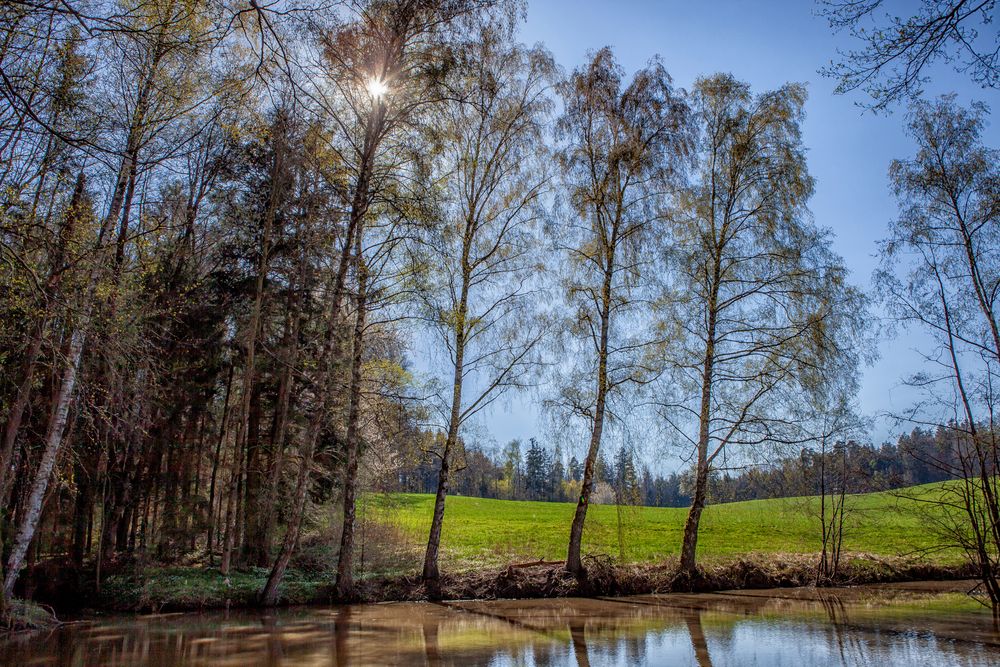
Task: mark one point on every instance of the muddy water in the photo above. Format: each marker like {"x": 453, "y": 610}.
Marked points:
{"x": 888, "y": 625}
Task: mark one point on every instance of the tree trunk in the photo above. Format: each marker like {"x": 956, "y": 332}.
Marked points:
{"x": 119, "y": 212}
{"x": 229, "y": 526}
{"x": 170, "y": 511}
{"x": 254, "y": 550}
{"x": 345, "y": 574}
{"x": 574, "y": 563}
{"x": 269, "y": 595}
{"x": 56, "y": 271}
{"x": 297, "y": 318}
{"x": 359, "y": 208}
{"x": 690, "y": 543}
{"x": 53, "y": 440}
{"x": 431, "y": 574}
{"x": 82, "y": 511}
{"x": 212, "y": 525}
{"x": 4, "y": 618}
{"x": 249, "y": 370}
{"x": 279, "y": 436}
{"x": 63, "y": 392}
{"x": 324, "y": 388}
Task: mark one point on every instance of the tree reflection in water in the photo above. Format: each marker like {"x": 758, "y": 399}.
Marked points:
{"x": 692, "y": 619}
{"x": 431, "y": 649}
{"x": 578, "y": 633}
{"x": 341, "y": 632}
{"x": 805, "y": 627}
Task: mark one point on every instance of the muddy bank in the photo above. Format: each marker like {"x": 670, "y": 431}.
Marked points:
{"x": 187, "y": 589}
{"x": 604, "y": 578}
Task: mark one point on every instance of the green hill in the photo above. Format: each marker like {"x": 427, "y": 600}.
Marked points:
{"x": 483, "y": 531}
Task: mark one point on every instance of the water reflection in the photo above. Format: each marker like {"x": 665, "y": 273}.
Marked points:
{"x": 792, "y": 627}
{"x": 341, "y": 631}
{"x": 693, "y": 621}
{"x": 578, "y": 633}
{"x": 431, "y": 649}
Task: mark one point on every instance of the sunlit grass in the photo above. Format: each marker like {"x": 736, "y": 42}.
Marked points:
{"x": 480, "y": 531}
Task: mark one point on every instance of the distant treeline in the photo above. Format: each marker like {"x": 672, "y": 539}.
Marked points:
{"x": 534, "y": 472}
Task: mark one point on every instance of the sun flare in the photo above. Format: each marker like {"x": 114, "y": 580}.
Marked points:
{"x": 377, "y": 88}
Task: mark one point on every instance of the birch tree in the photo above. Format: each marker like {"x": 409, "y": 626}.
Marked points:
{"x": 380, "y": 71}
{"x": 482, "y": 260}
{"x": 619, "y": 146}
{"x": 940, "y": 274}
{"x": 758, "y": 307}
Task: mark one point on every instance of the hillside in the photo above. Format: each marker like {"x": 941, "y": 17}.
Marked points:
{"x": 484, "y": 531}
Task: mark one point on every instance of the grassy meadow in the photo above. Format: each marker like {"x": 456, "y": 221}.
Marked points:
{"x": 482, "y": 535}
{"x": 481, "y": 531}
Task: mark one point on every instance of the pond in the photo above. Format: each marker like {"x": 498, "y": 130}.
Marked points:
{"x": 904, "y": 624}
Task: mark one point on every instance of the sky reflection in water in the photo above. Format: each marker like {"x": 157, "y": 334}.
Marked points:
{"x": 868, "y": 626}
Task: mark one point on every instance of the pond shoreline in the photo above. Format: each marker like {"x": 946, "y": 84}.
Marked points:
{"x": 159, "y": 589}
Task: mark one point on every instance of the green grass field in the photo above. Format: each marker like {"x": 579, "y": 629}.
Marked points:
{"x": 481, "y": 531}
{"x": 480, "y": 534}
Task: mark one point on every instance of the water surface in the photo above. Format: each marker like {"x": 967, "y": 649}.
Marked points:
{"x": 888, "y": 625}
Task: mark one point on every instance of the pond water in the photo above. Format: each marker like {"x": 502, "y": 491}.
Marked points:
{"x": 915, "y": 624}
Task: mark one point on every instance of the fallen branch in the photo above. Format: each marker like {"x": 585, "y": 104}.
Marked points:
{"x": 537, "y": 563}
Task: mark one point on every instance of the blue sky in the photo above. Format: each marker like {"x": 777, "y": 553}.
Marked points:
{"x": 765, "y": 44}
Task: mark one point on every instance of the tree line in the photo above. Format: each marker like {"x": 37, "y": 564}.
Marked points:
{"x": 227, "y": 230}
{"x": 536, "y": 472}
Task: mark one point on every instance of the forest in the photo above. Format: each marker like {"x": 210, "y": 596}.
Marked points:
{"x": 257, "y": 259}
{"x": 532, "y": 472}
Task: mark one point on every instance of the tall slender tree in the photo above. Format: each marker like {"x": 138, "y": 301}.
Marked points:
{"x": 620, "y": 145}
{"x": 381, "y": 71}
{"x": 758, "y": 307}
{"x": 941, "y": 274}
{"x": 481, "y": 262}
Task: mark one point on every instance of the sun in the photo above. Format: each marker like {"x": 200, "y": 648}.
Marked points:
{"x": 377, "y": 88}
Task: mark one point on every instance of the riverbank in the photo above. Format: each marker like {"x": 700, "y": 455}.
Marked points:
{"x": 27, "y": 615}
{"x": 187, "y": 589}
